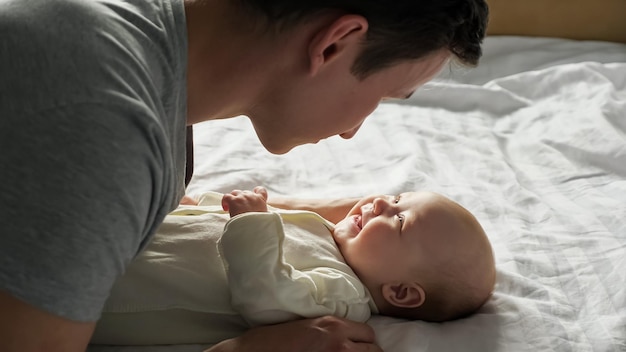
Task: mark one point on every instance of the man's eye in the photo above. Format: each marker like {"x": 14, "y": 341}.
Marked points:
{"x": 401, "y": 218}
{"x": 396, "y": 200}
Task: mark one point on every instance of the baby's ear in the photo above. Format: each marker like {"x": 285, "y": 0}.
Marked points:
{"x": 404, "y": 295}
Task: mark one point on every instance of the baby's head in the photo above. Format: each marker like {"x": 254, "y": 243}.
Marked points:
{"x": 421, "y": 255}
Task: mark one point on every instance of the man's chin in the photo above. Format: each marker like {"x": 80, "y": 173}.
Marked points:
{"x": 279, "y": 146}
{"x": 277, "y": 149}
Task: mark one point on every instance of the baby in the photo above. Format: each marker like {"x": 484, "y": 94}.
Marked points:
{"x": 420, "y": 255}
{"x": 231, "y": 262}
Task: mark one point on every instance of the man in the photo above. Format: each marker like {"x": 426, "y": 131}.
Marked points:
{"x": 95, "y": 98}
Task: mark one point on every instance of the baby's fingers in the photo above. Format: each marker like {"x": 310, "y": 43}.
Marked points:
{"x": 225, "y": 203}
{"x": 261, "y": 191}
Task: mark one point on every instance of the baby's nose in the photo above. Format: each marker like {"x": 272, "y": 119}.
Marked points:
{"x": 365, "y": 208}
{"x": 379, "y": 205}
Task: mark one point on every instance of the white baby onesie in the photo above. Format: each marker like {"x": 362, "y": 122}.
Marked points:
{"x": 205, "y": 278}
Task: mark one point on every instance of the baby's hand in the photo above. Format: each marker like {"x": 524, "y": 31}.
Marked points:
{"x": 238, "y": 202}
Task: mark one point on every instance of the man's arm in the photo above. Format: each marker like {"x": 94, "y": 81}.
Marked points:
{"x": 333, "y": 210}
{"x": 325, "y": 334}
{"x": 25, "y": 328}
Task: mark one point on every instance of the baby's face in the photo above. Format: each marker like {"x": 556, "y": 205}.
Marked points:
{"x": 386, "y": 238}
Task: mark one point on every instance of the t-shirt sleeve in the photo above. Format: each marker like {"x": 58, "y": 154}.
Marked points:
{"x": 91, "y": 144}
{"x": 265, "y": 289}
{"x": 81, "y": 190}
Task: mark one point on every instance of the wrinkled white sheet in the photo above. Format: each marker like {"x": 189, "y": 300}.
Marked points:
{"x": 533, "y": 142}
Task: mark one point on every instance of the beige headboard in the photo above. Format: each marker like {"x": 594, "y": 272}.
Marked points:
{"x": 572, "y": 19}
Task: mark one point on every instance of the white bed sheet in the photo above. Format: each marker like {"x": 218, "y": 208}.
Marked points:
{"x": 533, "y": 142}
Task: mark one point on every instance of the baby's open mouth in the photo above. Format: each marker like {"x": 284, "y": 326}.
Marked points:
{"x": 359, "y": 221}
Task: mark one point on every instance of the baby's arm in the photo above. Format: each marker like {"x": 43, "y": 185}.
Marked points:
{"x": 239, "y": 202}
{"x": 265, "y": 289}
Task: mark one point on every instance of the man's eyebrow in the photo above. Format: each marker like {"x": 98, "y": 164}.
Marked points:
{"x": 409, "y": 95}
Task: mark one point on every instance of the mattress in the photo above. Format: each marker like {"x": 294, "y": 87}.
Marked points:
{"x": 533, "y": 142}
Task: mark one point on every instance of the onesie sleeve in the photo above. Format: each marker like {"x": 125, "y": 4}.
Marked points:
{"x": 267, "y": 290}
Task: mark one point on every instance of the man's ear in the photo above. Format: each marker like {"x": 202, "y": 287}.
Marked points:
{"x": 404, "y": 295}
{"x": 337, "y": 38}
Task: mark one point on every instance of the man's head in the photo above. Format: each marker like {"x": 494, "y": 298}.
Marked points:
{"x": 398, "y": 31}
{"x": 354, "y": 53}
{"x": 421, "y": 255}
{"x": 306, "y": 70}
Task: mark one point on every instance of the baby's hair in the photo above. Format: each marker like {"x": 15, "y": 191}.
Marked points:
{"x": 457, "y": 287}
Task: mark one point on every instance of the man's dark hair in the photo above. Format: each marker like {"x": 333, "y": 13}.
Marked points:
{"x": 398, "y": 30}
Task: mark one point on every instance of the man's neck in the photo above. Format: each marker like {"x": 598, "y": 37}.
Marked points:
{"x": 228, "y": 63}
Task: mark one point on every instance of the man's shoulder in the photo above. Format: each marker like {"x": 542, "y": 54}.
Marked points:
{"x": 81, "y": 22}
{"x": 33, "y": 15}
{"x": 64, "y": 51}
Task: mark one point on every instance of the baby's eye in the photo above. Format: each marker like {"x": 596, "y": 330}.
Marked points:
{"x": 401, "y": 220}
{"x": 397, "y": 199}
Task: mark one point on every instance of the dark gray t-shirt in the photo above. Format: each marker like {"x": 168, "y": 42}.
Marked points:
{"x": 92, "y": 142}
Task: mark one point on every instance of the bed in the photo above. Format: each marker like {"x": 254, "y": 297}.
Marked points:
{"x": 533, "y": 142}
